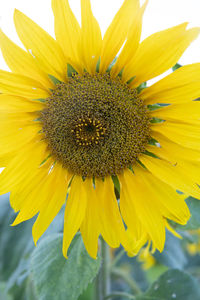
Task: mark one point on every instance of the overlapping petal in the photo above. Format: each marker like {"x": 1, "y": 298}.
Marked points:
{"x": 151, "y": 219}
{"x": 19, "y": 85}
{"x": 21, "y": 62}
{"x": 16, "y": 104}
{"x": 158, "y": 53}
{"x": 132, "y": 43}
{"x": 179, "y": 87}
{"x": 67, "y": 31}
{"x": 91, "y": 40}
{"x": 52, "y": 197}
{"x": 186, "y": 112}
{"x": 32, "y": 155}
{"x": 41, "y": 45}
{"x": 172, "y": 175}
{"x": 117, "y": 32}
{"x": 184, "y": 134}
{"x": 75, "y": 211}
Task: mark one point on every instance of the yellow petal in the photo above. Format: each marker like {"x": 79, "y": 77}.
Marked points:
{"x": 41, "y": 45}
{"x": 5, "y": 159}
{"x": 172, "y": 230}
{"x": 186, "y": 135}
{"x": 52, "y": 197}
{"x": 67, "y": 29}
{"x": 170, "y": 203}
{"x": 190, "y": 166}
{"x": 146, "y": 209}
{"x": 22, "y": 119}
{"x": 23, "y": 196}
{"x": 91, "y": 40}
{"x": 172, "y": 175}
{"x": 117, "y": 32}
{"x": 136, "y": 245}
{"x": 171, "y": 148}
{"x": 127, "y": 208}
{"x": 186, "y": 112}
{"x": 158, "y": 53}
{"x": 20, "y": 166}
{"x": 13, "y": 137}
{"x": 11, "y": 103}
{"x": 75, "y": 210}
{"x": 19, "y": 85}
{"x": 132, "y": 42}
{"x": 90, "y": 227}
{"x": 111, "y": 225}
{"x": 22, "y": 62}
{"x": 177, "y": 87}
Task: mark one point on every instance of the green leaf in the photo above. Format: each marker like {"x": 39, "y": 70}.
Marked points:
{"x": 29, "y": 290}
{"x": 15, "y": 242}
{"x": 4, "y": 295}
{"x": 177, "y": 66}
{"x": 55, "y": 277}
{"x": 173, "y": 255}
{"x": 88, "y": 294}
{"x": 173, "y": 285}
{"x": 194, "y": 221}
{"x": 154, "y": 272}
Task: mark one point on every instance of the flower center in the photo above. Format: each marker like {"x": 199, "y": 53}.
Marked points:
{"x": 88, "y": 131}
{"x": 95, "y": 125}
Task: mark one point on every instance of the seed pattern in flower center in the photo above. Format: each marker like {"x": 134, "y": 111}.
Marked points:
{"x": 95, "y": 126}
{"x": 88, "y": 131}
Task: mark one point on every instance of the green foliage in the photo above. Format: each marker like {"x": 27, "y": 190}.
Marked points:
{"x": 55, "y": 277}
{"x": 155, "y": 272}
{"x": 29, "y": 273}
{"x": 194, "y": 222}
{"x": 4, "y": 295}
{"x": 173, "y": 284}
{"x": 15, "y": 244}
{"x": 173, "y": 255}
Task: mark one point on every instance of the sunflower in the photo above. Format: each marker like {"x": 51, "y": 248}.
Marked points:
{"x": 78, "y": 128}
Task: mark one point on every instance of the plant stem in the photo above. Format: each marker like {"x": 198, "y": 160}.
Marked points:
{"x": 117, "y": 258}
{"x": 103, "y": 283}
{"x": 120, "y": 294}
{"x": 130, "y": 281}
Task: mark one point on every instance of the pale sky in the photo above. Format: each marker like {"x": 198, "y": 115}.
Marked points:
{"x": 159, "y": 15}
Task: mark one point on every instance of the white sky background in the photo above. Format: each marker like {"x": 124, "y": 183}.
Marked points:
{"x": 159, "y": 15}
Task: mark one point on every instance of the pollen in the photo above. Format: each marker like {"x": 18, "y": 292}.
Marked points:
{"x": 95, "y": 126}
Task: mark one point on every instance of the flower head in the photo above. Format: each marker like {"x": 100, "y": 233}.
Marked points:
{"x": 75, "y": 124}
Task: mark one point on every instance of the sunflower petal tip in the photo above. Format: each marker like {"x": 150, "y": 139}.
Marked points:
{"x": 16, "y": 11}
{"x": 65, "y": 255}
{"x": 35, "y": 241}
{"x": 197, "y": 30}
{"x": 17, "y": 221}
{"x": 64, "y": 251}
